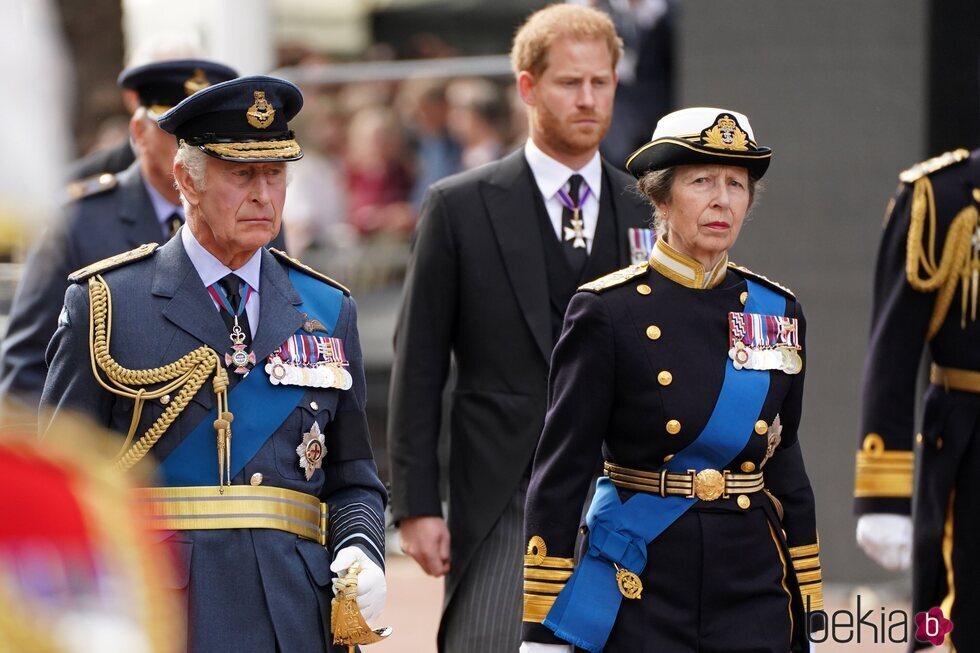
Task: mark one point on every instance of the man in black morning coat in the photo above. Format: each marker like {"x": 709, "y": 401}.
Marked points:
{"x": 498, "y": 254}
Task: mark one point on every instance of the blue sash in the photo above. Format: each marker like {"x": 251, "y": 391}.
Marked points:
{"x": 586, "y": 609}
{"x": 258, "y": 406}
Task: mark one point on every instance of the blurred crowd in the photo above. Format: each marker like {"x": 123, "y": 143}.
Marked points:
{"x": 373, "y": 148}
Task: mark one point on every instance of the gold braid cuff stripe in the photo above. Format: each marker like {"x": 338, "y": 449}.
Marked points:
{"x": 956, "y": 261}
{"x": 882, "y": 473}
{"x": 809, "y": 576}
{"x": 813, "y": 592}
{"x": 236, "y": 506}
{"x": 543, "y": 588}
{"x": 536, "y": 607}
{"x": 800, "y": 564}
{"x": 804, "y": 551}
{"x": 532, "y": 573}
{"x": 256, "y": 149}
{"x": 182, "y": 378}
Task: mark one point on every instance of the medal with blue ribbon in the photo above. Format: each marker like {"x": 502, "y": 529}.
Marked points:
{"x": 238, "y": 358}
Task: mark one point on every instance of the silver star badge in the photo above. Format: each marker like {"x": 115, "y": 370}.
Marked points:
{"x": 311, "y": 451}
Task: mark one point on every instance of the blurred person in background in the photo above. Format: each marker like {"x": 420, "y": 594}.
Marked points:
{"x": 425, "y": 110}
{"x": 315, "y": 213}
{"x": 119, "y": 154}
{"x": 926, "y": 288}
{"x": 646, "y": 71}
{"x": 498, "y": 254}
{"x": 477, "y": 120}
{"x": 110, "y": 214}
{"x": 379, "y": 178}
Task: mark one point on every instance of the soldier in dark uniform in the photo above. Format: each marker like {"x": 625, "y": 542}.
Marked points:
{"x": 925, "y": 296}
{"x": 239, "y": 371}
{"x": 110, "y": 214}
{"x": 687, "y": 372}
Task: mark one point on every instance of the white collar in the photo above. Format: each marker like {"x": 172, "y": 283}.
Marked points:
{"x": 552, "y": 175}
{"x": 212, "y": 270}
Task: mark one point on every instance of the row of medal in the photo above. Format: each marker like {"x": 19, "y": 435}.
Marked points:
{"x": 310, "y": 361}
{"x": 764, "y": 342}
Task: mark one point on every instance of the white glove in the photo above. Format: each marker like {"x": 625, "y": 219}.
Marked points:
{"x": 372, "y": 589}
{"x": 535, "y": 647}
{"x": 887, "y": 539}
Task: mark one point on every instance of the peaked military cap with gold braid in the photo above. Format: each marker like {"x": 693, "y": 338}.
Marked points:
{"x": 163, "y": 84}
{"x": 701, "y": 135}
{"x": 243, "y": 120}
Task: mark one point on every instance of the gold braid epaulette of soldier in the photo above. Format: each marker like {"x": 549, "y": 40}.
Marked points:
{"x": 181, "y": 379}
{"x": 959, "y": 260}
{"x": 617, "y": 278}
{"x": 302, "y": 267}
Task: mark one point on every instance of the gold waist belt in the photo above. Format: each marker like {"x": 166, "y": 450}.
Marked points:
{"x": 954, "y": 379}
{"x": 707, "y": 484}
{"x": 235, "y": 506}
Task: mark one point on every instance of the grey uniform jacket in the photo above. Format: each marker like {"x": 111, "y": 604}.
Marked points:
{"x": 104, "y": 222}
{"x": 247, "y": 589}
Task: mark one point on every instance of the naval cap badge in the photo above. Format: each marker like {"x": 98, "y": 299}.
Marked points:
{"x": 261, "y": 113}
{"x": 311, "y": 451}
{"x": 725, "y": 134}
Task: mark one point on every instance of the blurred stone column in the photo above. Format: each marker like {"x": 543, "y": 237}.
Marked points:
{"x": 242, "y": 33}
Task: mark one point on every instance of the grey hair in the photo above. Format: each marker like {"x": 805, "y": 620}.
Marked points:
{"x": 194, "y": 161}
{"x": 656, "y": 185}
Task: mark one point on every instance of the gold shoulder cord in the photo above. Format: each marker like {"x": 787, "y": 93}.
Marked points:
{"x": 184, "y": 376}
{"x": 956, "y": 263}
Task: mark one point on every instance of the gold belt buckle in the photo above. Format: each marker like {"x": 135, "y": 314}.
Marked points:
{"x": 708, "y": 484}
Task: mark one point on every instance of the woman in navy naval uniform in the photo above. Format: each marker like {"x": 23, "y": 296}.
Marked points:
{"x": 687, "y": 372}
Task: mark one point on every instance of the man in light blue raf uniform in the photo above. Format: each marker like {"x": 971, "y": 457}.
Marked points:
{"x": 239, "y": 370}
{"x": 108, "y": 214}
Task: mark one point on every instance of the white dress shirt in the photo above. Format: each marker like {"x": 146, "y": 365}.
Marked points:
{"x": 211, "y": 270}
{"x": 551, "y": 176}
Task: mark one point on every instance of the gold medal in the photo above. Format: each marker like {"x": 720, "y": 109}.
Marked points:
{"x": 629, "y": 583}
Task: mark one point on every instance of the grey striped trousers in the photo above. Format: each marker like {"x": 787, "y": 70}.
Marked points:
{"x": 486, "y": 610}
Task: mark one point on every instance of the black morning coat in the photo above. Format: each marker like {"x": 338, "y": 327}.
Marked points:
{"x": 481, "y": 289}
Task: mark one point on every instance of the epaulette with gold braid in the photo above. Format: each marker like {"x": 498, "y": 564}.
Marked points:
{"x": 929, "y": 166}
{"x": 617, "y": 278}
{"x": 302, "y": 267}
{"x": 91, "y": 186}
{"x": 766, "y": 281}
{"x": 112, "y": 262}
